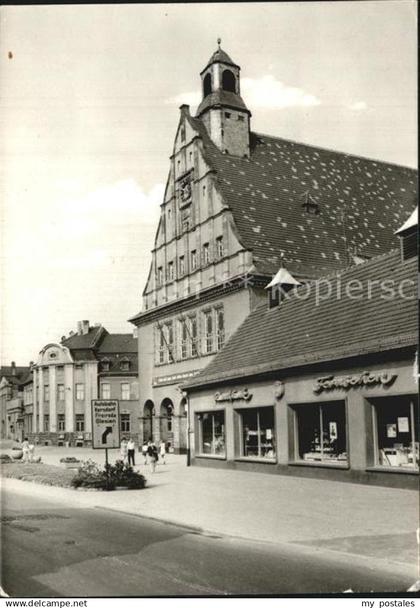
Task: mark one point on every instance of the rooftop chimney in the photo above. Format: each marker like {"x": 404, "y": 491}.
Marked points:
{"x": 79, "y": 327}
{"x": 13, "y": 368}
{"x": 85, "y": 327}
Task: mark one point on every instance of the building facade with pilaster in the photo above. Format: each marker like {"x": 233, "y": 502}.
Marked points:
{"x": 88, "y": 364}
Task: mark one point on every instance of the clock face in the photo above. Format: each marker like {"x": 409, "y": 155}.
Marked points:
{"x": 185, "y": 190}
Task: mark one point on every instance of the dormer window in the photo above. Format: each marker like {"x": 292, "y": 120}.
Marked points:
{"x": 409, "y": 245}
{"x": 408, "y": 237}
{"x": 125, "y": 365}
{"x": 105, "y": 365}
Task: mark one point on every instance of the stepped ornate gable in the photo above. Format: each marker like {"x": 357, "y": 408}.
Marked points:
{"x": 239, "y": 205}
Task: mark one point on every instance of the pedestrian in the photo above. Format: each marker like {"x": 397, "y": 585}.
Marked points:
{"x": 124, "y": 450}
{"x": 25, "y": 450}
{"x": 131, "y": 450}
{"x": 31, "y": 452}
{"x": 144, "y": 451}
{"x": 152, "y": 456}
{"x": 162, "y": 451}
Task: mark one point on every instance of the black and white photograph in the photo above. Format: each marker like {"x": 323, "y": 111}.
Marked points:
{"x": 209, "y": 319}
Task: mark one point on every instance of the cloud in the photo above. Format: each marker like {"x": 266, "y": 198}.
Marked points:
{"x": 357, "y": 106}
{"x": 264, "y": 92}
{"x": 191, "y": 98}
{"x": 267, "y": 92}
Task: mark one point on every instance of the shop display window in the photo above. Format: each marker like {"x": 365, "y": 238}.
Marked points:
{"x": 211, "y": 433}
{"x": 321, "y": 432}
{"x": 396, "y": 432}
{"x": 257, "y": 433}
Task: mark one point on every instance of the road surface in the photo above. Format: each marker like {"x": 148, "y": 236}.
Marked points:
{"x": 54, "y": 550}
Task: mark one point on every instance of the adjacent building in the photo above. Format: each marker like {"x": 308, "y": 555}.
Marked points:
{"x": 238, "y": 206}
{"x": 85, "y": 365}
{"x": 12, "y": 381}
{"x": 321, "y": 382}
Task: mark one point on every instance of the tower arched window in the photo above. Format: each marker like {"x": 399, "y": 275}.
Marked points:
{"x": 207, "y": 88}
{"x": 228, "y": 81}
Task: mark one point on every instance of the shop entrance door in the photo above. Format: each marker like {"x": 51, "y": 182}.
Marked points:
{"x": 166, "y": 423}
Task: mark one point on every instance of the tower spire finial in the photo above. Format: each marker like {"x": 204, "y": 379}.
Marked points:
{"x": 219, "y": 42}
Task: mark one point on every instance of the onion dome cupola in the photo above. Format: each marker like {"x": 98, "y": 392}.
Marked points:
{"x": 222, "y": 109}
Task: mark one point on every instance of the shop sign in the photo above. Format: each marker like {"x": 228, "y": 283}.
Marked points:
{"x": 243, "y": 395}
{"x": 174, "y": 378}
{"x": 364, "y": 379}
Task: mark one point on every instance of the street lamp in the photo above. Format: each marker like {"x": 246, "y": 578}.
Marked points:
{"x": 185, "y": 395}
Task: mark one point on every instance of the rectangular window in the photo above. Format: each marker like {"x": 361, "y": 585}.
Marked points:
{"x": 166, "y": 342}
{"x": 227, "y": 114}
{"x": 208, "y": 331}
{"x": 46, "y": 392}
{"x": 46, "y": 423}
{"x": 105, "y": 390}
{"x": 162, "y": 345}
{"x": 80, "y": 391}
{"x": 181, "y": 265}
{"x": 257, "y": 433}
{"x": 240, "y": 118}
{"x": 125, "y": 391}
{"x": 170, "y": 340}
{"x": 61, "y": 422}
{"x": 321, "y": 432}
{"x": 220, "y": 251}
{"x": 80, "y": 423}
{"x": 160, "y": 276}
{"x": 60, "y": 392}
{"x": 193, "y": 259}
{"x": 220, "y": 327}
{"x": 193, "y": 336}
{"x": 184, "y": 338}
{"x": 206, "y": 254}
{"x": 171, "y": 271}
{"x": 396, "y": 432}
{"x": 211, "y": 433}
{"x": 125, "y": 423}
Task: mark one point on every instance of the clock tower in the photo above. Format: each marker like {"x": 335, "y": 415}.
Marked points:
{"x": 222, "y": 109}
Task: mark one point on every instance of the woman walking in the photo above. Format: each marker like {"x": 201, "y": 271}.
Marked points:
{"x": 152, "y": 455}
{"x": 162, "y": 451}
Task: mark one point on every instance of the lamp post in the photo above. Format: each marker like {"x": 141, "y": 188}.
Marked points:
{"x": 185, "y": 395}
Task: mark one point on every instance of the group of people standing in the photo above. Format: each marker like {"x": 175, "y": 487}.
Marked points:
{"x": 151, "y": 453}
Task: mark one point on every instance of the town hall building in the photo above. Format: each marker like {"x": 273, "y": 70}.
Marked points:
{"x": 239, "y": 207}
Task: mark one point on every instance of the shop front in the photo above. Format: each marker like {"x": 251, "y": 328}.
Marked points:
{"x": 356, "y": 422}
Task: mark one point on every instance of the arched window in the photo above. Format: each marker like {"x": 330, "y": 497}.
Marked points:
{"x": 207, "y": 85}
{"x": 228, "y": 81}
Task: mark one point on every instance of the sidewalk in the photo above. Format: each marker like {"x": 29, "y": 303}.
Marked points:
{"x": 366, "y": 521}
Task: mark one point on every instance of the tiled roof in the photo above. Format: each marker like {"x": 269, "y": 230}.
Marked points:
{"x": 9, "y": 372}
{"x": 361, "y": 203}
{"x": 221, "y": 97}
{"x": 301, "y": 331}
{"x": 83, "y": 354}
{"x": 87, "y": 340}
{"x": 220, "y": 56}
{"x": 118, "y": 343}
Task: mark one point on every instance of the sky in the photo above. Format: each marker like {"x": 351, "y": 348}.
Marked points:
{"x": 89, "y": 105}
